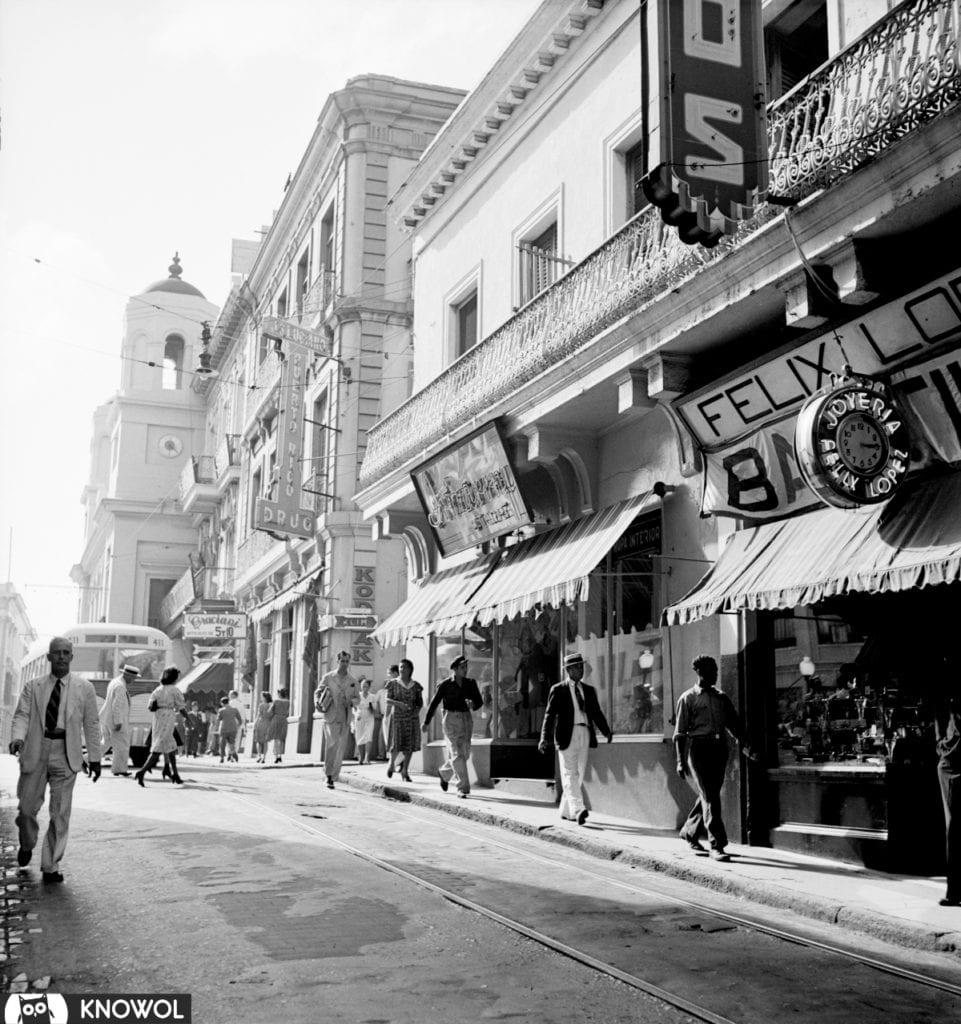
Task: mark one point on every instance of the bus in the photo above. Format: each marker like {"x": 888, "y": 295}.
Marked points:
{"x": 100, "y": 650}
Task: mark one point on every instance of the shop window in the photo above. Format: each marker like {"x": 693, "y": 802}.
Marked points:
{"x": 785, "y": 634}
{"x": 635, "y": 169}
{"x": 303, "y": 279}
{"x": 528, "y": 665}
{"x": 833, "y": 629}
{"x": 795, "y": 45}
{"x": 282, "y": 304}
{"x": 327, "y": 241}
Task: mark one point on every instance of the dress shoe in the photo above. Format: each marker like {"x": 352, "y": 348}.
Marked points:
{"x": 406, "y": 777}
{"x": 582, "y": 817}
{"x": 177, "y": 780}
{"x": 166, "y": 773}
{"x": 941, "y": 903}
{"x": 330, "y": 782}
{"x": 277, "y": 760}
{"x": 695, "y": 845}
{"x": 444, "y": 784}
{"x": 52, "y": 877}
{"x": 719, "y": 855}
{"x": 461, "y": 796}
{"x": 23, "y": 857}
{"x": 390, "y": 772}
{"x": 139, "y": 777}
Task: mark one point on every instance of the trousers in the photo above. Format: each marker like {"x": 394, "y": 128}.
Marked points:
{"x": 950, "y": 780}
{"x": 706, "y": 761}
{"x": 572, "y": 761}
{"x": 335, "y": 739}
{"x": 458, "y": 729}
{"x": 119, "y": 740}
{"x": 52, "y": 770}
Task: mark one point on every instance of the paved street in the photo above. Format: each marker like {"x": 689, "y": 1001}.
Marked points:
{"x": 267, "y": 897}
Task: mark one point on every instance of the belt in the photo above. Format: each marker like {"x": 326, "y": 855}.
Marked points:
{"x": 586, "y": 726}
{"x": 55, "y": 734}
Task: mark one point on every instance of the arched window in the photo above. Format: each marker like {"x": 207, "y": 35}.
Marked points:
{"x": 173, "y": 368}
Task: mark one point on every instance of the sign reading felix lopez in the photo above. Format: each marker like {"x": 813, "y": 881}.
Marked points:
{"x": 280, "y": 512}
{"x": 469, "y": 492}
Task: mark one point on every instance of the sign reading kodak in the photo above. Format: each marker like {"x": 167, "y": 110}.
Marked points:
{"x": 281, "y": 512}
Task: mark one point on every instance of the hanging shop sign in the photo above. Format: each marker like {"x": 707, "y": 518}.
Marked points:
{"x": 714, "y": 148}
{"x": 215, "y": 625}
{"x": 281, "y": 512}
{"x": 350, "y": 618}
{"x": 745, "y": 425}
{"x": 469, "y": 492}
{"x": 282, "y": 330}
{"x": 852, "y": 444}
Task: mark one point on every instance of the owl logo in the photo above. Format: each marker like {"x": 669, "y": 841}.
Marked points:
{"x": 35, "y": 1008}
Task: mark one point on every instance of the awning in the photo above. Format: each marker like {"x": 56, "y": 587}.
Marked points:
{"x": 547, "y": 569}
{"x": 207, "y": 677}
{"x": 912, "y": 541}
{"x": 438, "y": 605}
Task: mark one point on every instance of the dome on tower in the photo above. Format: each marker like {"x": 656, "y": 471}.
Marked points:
{"x": 173, "y": 283}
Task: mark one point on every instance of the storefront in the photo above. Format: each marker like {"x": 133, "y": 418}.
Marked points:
{"x": 591, "y": 586}
{"x": 866, "y": 590}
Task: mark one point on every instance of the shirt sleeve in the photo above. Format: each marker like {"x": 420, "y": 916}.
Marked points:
{"x": 682, "y": 722}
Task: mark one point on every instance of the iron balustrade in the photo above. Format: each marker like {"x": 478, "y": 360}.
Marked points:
{"x": 896, "y": 78}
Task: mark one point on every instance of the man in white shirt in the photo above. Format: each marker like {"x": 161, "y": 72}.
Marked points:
{"x": 338, "y": 691}
{"x": 54, "y": 717}
{"x": 570, "y": 718}
{"x": 115, "y": 720}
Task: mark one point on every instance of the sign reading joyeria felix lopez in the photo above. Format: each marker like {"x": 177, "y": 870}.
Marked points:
{"x": 469, "y": 492}
{"x": 280, "y": 511}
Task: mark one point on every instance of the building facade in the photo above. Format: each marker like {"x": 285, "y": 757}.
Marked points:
{"x": 16, "y": 636}
{"x": 137, "y": 537}
{"x": 603, "y": 413}
{"x": 312, "y": 344}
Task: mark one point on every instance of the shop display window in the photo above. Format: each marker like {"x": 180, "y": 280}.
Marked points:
{"x": 528, "y": 666}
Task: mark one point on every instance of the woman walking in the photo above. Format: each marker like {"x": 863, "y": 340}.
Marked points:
{"x": 364, "y": 722}
{"x": 405, "y": 698}
{"x": 277, "y": 729}
{"x": 261, "y": 728}
{"x": 168, "y": 705}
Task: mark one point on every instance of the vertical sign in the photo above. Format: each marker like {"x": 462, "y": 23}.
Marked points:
{"x": 713, "y": 135}
{"x": 282, "y": 513}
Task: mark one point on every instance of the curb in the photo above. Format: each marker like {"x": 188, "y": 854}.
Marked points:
{"x": 847, "y": 916}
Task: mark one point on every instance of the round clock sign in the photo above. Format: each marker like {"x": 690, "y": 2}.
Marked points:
{"x": 851, "y": 443}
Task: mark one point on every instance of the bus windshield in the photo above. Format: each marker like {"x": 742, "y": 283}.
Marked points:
{"x": 106, "y": 662}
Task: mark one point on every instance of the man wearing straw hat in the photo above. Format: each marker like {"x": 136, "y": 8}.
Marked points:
{"x": 570, "y": 719}
{"x": 115, "y": 720}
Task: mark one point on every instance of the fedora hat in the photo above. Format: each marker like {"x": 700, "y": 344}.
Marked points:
{"x": 573, "y": 659}
{"x": 131, "y": 670}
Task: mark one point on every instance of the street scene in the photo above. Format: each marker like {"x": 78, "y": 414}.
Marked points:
{"x": 480, "y": 494}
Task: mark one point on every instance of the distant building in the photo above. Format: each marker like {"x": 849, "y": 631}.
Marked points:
{"x": 137, "y": 538}
{"x": 16, "y": 635}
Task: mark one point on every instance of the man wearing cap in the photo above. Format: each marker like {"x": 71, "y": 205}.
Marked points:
{"x": 704, "y": 714}
{"x": 460, "y": 696}
{"x": 55, "y": 715}
{"x": 570, "y": 719}
{"x": 115, "y": 719}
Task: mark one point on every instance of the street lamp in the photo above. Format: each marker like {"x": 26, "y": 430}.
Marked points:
{"x": 646, "y": 659}
{"x": 205, "y": 369}
{"x": 807, "y": 668}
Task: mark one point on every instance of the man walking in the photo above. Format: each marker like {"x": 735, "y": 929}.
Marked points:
{"x": 703, "y": 715}
{"x": 459, "y": 696}
{"x": 54, "y": 717}
{"x": 570, "y": 719}
{"x": 335, "y": 700}
{"x": 115, "y": 720}
{"x": 947, "y": 731}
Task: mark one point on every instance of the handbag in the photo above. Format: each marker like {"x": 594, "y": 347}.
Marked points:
{"x": 152, "y": 706}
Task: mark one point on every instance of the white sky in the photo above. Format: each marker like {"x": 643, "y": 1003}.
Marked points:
{"x": 133, "y": 129}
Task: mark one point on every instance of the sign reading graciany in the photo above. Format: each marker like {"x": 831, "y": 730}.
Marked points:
{"x": 713, "y": 137}
{"x": 294, "y": 334}
{"x": 281, "y": 511}
{"x": 469, "y": 492}
{"x": 215, "y": 625}
{"x": 746, "y": 424}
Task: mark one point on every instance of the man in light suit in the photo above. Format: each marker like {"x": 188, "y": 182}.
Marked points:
{"x": 54, "y": 716}
{"x": 570, "y": 719}
{"x": 115, "y": 719}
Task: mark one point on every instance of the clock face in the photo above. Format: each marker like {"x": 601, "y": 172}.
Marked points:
{"x": 170, "y": 446}
{"x": 852, "y": 445}
{"x": 862, "y": 444}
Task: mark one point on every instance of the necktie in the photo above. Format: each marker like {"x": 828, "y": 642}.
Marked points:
{"x": 580, "y": 697}
{"x": 53, "y": 707}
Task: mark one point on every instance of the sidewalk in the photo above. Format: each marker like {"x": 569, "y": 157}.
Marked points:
{"x": 901, "y": 909}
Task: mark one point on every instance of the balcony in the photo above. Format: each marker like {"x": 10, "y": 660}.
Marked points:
{"x": 198, "y": 484}
{"x": 227, "y": 461}
{"x": 320, "y": 296}
{"x": 252, "y": 550}
{"x": 893, "y": 81}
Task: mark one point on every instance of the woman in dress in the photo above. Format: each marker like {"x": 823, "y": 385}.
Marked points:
{"x": 405, "y": 698}
{"x": 261, "y": 728}
{"x": 277, "y": 730}
{"x": 168, "y": 706}
{"x": 363, "y": 722}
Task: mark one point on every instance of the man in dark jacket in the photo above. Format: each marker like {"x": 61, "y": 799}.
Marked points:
{"x": 947, "y": 727}
{"x": 569, "y": 723}
{"x": 460, "y": 696}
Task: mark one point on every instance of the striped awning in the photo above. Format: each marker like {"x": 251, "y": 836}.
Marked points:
{"x": 912, "y": 541}
{"x": 439, "y": 604}
{"x": 208, "y": 677}
{"x": 548, "y": 569}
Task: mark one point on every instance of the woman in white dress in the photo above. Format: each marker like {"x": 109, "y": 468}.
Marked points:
{"x": 364, "y": 719}
{"x": 168, "y": 705}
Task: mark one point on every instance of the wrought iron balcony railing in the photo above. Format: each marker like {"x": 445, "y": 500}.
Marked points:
{"x": 320, "y": 295}
{"x": 896, "y": 78}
